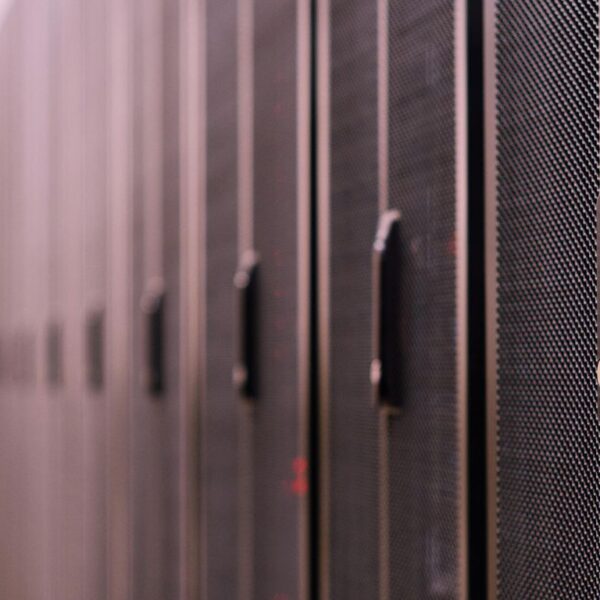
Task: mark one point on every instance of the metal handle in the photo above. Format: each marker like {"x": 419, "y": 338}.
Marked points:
{"x": 54, "y": 351}
{"x": 245, "y": 284}
{"x": 386, "y": 361}
{"x": 153, "y": 307}
{"x": 95, "y": 350}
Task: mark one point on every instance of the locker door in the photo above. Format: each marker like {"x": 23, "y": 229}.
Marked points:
{"x": 93, "y": 323}
{"x": 392, "y": 298}
{"x": 542, "y": 89}
{"x": 155, "y": 411}
{"x": 274, "y": 211}
{"x": 220, "y": 407}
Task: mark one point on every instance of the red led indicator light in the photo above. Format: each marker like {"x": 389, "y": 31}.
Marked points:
{"x": 299, "y": 486}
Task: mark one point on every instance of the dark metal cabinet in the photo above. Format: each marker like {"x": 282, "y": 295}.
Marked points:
{"x": 221, "y": 406}
{"x": 274, "y": 213}
{"x": 155, "y": 459}
{"x": 542, "y": 89}
{"x": 348, "y": 213}
{"x": 426, "y": 178}
{"x": 392, "y": 160}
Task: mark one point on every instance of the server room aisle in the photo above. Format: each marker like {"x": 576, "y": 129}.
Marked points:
{"x": 299, "y": 299}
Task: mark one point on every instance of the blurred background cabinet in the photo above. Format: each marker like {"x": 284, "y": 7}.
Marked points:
{"x": 259, "y": 294}
{"x": 155, "y": 426}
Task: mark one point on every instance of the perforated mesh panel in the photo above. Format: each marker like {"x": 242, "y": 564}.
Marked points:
{"x": 220, "y": 410}
{"x": 353, "y": 437}
{"x": 276, "y": 416}
{"x": 548, "y": 505}
{"x": 423, "y": 439}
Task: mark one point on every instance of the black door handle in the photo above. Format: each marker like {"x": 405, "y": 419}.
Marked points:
{"x": 386, "y": 362}
{"x": 95, "y": 350}
{"x": 153, "y": 308}
{"x": 54, "y": 351}
{"x": 245, "y": 283}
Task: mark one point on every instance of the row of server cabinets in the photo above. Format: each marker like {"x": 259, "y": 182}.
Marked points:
{"x": 298, "y": 299}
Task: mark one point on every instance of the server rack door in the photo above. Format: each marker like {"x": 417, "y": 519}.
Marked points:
{"x": 4, "y": 243}
{"x": 32, "y": 296}
{"x": 17, "y": 447}
{"x": 5, "y": 287}
{"x": 542, "y": 90}
{"x": 21, "y": 391}
{"x": 15, "y": 248}
{"x": 348, "y": 212}
{"x": 14, "y": 406}
{"x": 274, "y": 213}
{"x": 69, "y": 241}
{"x": 8, "y": 413}
{"x": 170, "y": 216}
{"x": 192, "y": 303}
{"x": 155, "y": 417}
{"x": 220, "y": 404}
{"x": 391, "y": 160}
{"x": 53, "y": 329}
{"x": 93, "y": 323}
{"x": 119, "y": 323}
{"x": 5, "y": 585}
{"x": 426, "y": 181}
{"x": 53, "y": 332}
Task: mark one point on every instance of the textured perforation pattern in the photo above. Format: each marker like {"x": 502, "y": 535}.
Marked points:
{"x": 353, "y": 446}
{"x": 423, "y": 440}
{"x": 277, "y": 504}
{"x": 220, "y": 411}
{"x": 548, "y": 505}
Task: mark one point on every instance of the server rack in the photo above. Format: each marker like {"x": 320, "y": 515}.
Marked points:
{"x": 70, "y": 249}
{"x": 221, "y": 410}
{"x": 274, "y": 213}
{"x": 193, "y": 308}
{"x": 542, "y": 89}
{"x": 155, "y": 302}
{"x": 120, "y": 374}
{"x": 21, "y": 445}
{"x": 119, "y": 324}
{"x": 94, "y": 231}
{"x": 348, "y": 190}
{"x": 32, "y": 294}
{"x": 404, "y": 435}
{"x": 53, "y": 356}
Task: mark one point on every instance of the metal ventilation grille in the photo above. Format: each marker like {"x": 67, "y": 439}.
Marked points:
{"x": 423, "y": 440}
{"x": 352, "y": 450}
{"x": 220, "y": 410}
{"x": 275, "y": 419}
{"x": 548, "y": 448}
